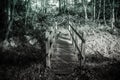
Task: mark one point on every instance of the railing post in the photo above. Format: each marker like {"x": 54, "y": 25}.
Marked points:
{"x": 69, "y": 28}
{"x": 50, "y": 47}
{"x": 76, "y": 39}
{"x": 47, "y": 49}
{"x": 55, "y": 36}
{"x": 83, "y": 48}
{"x": 56, "y": 27}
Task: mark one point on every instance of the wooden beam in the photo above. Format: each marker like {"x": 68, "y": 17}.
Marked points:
{"x": 83, "y": 40}
{"x": 81, "y": 57}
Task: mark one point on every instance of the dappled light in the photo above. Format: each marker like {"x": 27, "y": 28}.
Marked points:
{"x": 59, "y": 40}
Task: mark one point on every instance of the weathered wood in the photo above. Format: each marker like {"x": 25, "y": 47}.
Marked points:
{"x": 81, "y": 57}
{"x": 47, "y": 49}
{"x": 77, "y": 33}
{"x": 50, "y": 44}
{"x": 48, "y": 64}
{"x": 83, "y": 48}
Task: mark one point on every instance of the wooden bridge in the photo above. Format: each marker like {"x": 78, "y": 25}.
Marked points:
{"x": 65, "y": 49}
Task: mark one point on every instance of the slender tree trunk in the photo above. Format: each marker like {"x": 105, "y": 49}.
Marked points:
{"x": 94, "y": 9}
{"x": 85, "y": 10}
{"x": 10, "y": 7}
{"x": 64, "y": 6}
{"x": 113, "y": 14}
{"x": 104, "y": 10}
{"x": 10, "y": 18}
{"x": 8, "y": 12}
{"x": 84, "y": 2}
{"x": 27, "y": 11}
{"x": 33, "y": 18}
{"x": 99, "y": 11}
{"x": 59, "y": 6}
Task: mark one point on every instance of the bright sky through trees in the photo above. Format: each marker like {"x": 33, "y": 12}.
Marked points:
{"x": 88, "y": 0}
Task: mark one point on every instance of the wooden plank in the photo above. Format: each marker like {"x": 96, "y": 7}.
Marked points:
{"x": 64, "y": 60}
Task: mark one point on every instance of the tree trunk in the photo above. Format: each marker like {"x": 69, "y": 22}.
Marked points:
{"x": 113, "y": 14}
{"x": 99, "y": 10}
{"x": 94, "y": 3}
{"x": 104, "y": 10}
{"x": 59, "y": 6}
{"x": 84, "y": 2}
{"x": 64, "y": 6}
{"x": 27, "y": 11}
{"x": 10, "y": 12}
{"x": 85, "y": 10}
{"x": 10, "y": 17}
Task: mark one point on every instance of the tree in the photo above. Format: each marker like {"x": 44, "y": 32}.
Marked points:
{"x": 113, "y": 14}
{"x": 28, "y": 4}
{"x": 10, "y": 12}
{"x": 94, "y": 4}
{"x": 99, "y": 12}
{"x": 104, "y": 11}
{"x": 59, "y": 6}
{"x": 85, "y": 2}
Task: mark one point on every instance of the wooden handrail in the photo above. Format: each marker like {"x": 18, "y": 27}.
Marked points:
{"x": 83, "y": 40}
{"x": 50, "y": 36}
{"x": 81, "y": 56}
{"x": 76, "y": 45}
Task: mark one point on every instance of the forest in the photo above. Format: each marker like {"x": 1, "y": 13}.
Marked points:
{"x": 41, "y": 39}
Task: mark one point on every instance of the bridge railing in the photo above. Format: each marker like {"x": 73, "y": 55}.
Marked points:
{"x": 76, "y": 37}
{"x": 50, "y": 43}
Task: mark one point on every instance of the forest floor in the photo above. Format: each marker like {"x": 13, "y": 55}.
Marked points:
{"x": 22, "y": 63}
{"x": 25, "y": 62}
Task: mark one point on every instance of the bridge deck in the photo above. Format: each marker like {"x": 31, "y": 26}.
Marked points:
{"x": 63, "y": 60}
